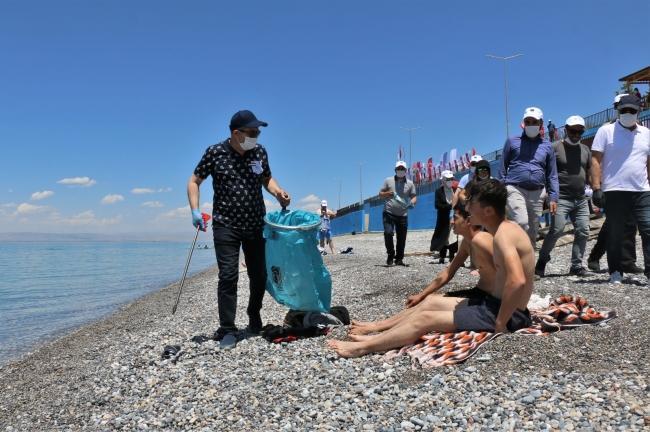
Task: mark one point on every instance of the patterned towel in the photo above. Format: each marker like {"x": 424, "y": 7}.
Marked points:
{"x": 440, "y": 349}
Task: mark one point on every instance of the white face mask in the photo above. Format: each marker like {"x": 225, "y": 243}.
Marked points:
{"x": 569, "y": 141}
{"x": 400, "y": 173}
{"x": 627, "y": 119}
{"x": 248, "y": 144}
{"x": 531, "y": 131}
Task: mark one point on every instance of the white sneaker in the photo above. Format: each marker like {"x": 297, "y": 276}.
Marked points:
{"x": 615, "y": 278}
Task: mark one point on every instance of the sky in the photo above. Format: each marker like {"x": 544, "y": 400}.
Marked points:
{"x": 106, "y": 107}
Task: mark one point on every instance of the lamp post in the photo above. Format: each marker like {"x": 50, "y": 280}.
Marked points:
{"x": 410, "y": 131}
{"x": 360, "y": 185}
{"x": 505, "y": 83}
{"x": 340, "y": 187}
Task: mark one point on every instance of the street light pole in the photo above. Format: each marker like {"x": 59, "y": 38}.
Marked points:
{"x": 360, "y": 185}
{"x": 410, "y": 131}
{"x": 505, "y": 83}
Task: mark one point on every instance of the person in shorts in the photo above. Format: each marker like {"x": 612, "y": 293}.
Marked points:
{"x": 325, "y": 232}
{"x": 506, "y": 309}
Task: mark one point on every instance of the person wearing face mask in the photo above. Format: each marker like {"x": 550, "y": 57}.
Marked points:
{"x": 620, "y": 171}
{"x": 239, "y": 167}
{"x": 527, "y": 167}
{"x": 443, "y": 200}
{"x": 573, "y": 161}
{"x": 399, "y": 193}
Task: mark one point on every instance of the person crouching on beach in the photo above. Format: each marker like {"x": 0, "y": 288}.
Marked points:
{"x": 505, "y": 310}
{"x": 239, "y": 167}
{"x": 476, "y": 244}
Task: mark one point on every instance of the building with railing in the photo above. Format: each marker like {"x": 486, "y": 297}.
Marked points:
{"x": 367, "y": 216}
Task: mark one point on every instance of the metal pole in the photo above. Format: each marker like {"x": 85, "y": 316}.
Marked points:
{"x": 505, "y": 84}
{"x": 360, "y": 185}
{"x": 340, "y": 186}
{"x": 410, "y": 131}
{"x": 187, "y": 265}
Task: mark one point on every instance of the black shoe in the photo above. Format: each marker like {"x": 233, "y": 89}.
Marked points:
{"x": 539, "y": 269}
{"x": 578, "y": 272}
{"x": 594, "y": 266}
{"x": 633, "y": 269}
{"x": 389, "y": 261}
{"x": 401, "y": 263}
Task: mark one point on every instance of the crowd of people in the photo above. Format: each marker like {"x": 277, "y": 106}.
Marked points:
{"x": 494, "y": 224}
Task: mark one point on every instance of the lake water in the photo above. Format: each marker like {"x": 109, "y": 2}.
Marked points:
{"x": 49, "y": 288}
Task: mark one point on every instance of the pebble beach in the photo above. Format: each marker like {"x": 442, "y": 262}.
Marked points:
{"x": 109, "y": 375}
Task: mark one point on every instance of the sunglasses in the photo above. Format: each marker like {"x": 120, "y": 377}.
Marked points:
{"x": 628, "y": 111}
{"x": 578, "y": 131}
{"x": 483, "y": 169}
{"x": 252, "y": 133}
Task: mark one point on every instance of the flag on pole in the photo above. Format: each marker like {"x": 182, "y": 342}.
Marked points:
{"x": 430, "y": 169}
{"x": 473, "y": 151}
{"x": 445, "y": 160}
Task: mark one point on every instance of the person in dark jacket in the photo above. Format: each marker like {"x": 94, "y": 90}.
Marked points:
{"x": 443, "y": 199}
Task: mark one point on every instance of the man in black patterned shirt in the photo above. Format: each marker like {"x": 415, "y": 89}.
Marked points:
{"x": 239, "y": 168}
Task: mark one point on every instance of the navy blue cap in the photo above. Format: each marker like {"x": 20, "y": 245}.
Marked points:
{"x": 629, "y": 101}
{"x": 245, "y": 119}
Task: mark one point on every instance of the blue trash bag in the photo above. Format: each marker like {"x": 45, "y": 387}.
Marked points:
{"x": 297, "y": 277}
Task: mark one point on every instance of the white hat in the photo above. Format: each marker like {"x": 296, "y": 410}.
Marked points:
{"x": 475, "y": 158}
{"x": 617, "y": 98}
{"x": 447, "y": 174}
{"x": 400, "y": 164}
{"x": 533, "y": 112}
{"x": 323, "y": 203}
{"x": 575, "y": 120}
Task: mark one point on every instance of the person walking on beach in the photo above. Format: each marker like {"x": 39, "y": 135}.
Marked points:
{"x": 550, "y": 127}
{"x": 399, "y": 193}
{"x": 442, "y": 203}
{"x": 505, "y": 310}
{"x": 239, "y": 167}
{"x": 325, "y": 232}
{"x": 527, "y": 166}
{"x": 620, "y": 171}
{"x": 476, "y": 244}
{"x": 573, "y": 165}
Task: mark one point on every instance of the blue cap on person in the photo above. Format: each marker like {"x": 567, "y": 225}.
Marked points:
{"x": 629, "y": 101}
{"x": 245, "y": 119}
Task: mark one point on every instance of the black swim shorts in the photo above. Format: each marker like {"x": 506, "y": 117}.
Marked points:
{"x": 480, "y": 314}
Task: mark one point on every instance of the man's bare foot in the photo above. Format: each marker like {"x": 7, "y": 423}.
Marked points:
{"x": 355, "y": 323}
{"x": 359, "y": 337}
{"x": 360, "y": 330}
{"x": 347, "y": 349}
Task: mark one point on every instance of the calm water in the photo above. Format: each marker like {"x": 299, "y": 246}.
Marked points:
{"x": 49, "y": 288}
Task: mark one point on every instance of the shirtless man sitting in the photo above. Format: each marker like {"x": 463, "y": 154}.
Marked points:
{"x": 506, "y": 309}
{"x": 476, "y": 243}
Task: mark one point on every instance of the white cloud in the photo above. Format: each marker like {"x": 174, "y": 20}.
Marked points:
{"x": 152, "y": 204}
{"x": 309, "y": 203}
{"x": 9, "y": 205}
{"x": 180, "y": 212}
{"x": 77, "y": 181}
{"x": 36, "y": 196}
{"x": 112, "y": 199}
{"x": 142, "y": 191}
{"x": 26, "y": 208}
{"x": 271, "y": 205}
{"x": 88, "y": 218}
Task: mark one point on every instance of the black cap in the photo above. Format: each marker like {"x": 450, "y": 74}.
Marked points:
{"x": 629, "y": 101}
{"x": 482, "y": 164}
{"x": 245, "y": 119}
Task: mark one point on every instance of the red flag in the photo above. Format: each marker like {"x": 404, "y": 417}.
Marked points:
{"x": 473, "y": 151}
{"x": 430, "y": 169}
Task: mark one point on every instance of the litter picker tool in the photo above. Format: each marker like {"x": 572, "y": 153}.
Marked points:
{"x": 206, "y": 219}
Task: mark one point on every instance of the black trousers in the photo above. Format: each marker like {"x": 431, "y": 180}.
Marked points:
{"x": 628, "y": 253}
{"x": 621, "y": 207}
{"x": 227, "y": 242}
{"x": 399, "y": 226}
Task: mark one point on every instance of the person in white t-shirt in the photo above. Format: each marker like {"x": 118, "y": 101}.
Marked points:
{"x": 619, "y": 171}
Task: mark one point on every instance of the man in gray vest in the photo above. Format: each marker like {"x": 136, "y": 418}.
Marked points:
{"x": 573, "y": 161}
{"x": 399, "y": 193}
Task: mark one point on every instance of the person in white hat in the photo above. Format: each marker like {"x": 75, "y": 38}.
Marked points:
{"x": 527, "y": 167}
{"x": 325, "y": 232}
{"x": 573, "y": 161}
{"x": 619, "y": 179}
{"x": 443, "y": 203}
{"x": 399, "y": 193}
